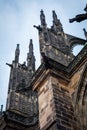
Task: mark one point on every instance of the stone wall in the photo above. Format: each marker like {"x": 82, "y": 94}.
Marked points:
{"x": 56, "y": 109}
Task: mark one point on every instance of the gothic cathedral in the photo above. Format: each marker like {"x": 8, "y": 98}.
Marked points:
{"x": 53, "y": 97}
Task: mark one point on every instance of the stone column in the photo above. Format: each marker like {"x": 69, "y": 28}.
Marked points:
{"x": 55, "y": 105}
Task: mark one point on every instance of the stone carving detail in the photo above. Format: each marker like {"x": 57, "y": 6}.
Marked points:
{"x": 80, "y": 17}
{"x": 57, "y": 40}
{"x": 51, "y": 86}
{"x": 42, "y": 17}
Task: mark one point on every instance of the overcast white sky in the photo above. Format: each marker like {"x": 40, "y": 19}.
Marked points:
{"x": 17, "y": 18}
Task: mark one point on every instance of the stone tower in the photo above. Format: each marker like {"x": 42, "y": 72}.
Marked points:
{"x": 53, "y": 97}
{"x": 21, "y": 108}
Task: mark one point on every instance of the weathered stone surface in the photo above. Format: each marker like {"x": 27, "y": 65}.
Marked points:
{"x": 60, "y": 82}
{"x": 45, "y": 104}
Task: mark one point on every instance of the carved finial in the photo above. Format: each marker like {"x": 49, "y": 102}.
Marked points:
{"x": 85, "y": 33}
{"x": 30, "y": 57}
{"x": 31, "y": 47}
{"x": 42, "y": 18}
{"x": 55, "y": 20}
{"x": 56, "y": 23}
{"x": 17, "y": 52}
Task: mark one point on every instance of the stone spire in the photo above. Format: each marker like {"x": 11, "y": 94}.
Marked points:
{"x": 31, "y": 47}
{"x": 55, "y": 20}
{"x": 42, "y": 18}
{"x": 17, "y": 52}
{"x": 31, "y": 58}
{"x": 57, "y": 26}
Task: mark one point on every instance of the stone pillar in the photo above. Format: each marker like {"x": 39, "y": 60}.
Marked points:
{"x": 55, "y": 105}
{"x": 46, "y": 110}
